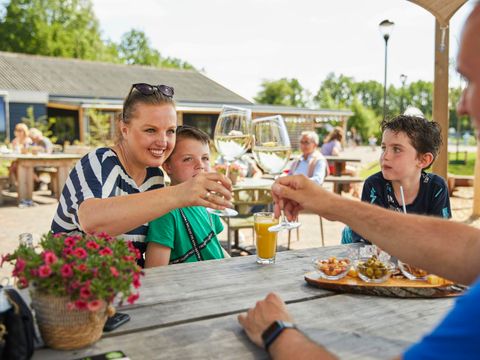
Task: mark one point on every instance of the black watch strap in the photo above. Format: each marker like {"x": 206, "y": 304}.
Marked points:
{"x": 274, "y": 331}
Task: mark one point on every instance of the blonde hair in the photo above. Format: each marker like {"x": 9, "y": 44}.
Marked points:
{"x": 22, "y": 127}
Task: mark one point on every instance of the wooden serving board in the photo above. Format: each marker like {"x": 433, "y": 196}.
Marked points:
{"x": 393, "y": 287}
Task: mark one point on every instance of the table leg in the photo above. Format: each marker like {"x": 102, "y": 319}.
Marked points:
{"x": 25, "y": 182}
{"x": 62, "y": 175}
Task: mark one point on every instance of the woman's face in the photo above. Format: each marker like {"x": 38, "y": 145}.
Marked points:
{"x": 149, "y": 138}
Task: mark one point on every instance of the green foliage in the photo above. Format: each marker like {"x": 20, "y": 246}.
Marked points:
{"x": 65, "y": 28}
{"x": 41, "y": 123}
{"x": 364, "y": 120}
{"x": 288, "y": 92}
{"x": 87, "y": 268}
{"x": 340, "y": 89}
{"x": 99, "y": 128}
{"x": 4, "y": 164}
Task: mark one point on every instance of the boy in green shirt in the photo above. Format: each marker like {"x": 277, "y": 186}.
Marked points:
{"x": 187, "y": 234}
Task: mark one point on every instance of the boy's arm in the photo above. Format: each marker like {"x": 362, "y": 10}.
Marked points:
{"x": 157, "y": 255}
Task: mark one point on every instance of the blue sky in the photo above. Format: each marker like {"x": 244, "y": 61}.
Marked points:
{"x": 241, "y": 43}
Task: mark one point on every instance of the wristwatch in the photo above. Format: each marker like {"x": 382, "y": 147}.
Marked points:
{"x": 274, "y": 330}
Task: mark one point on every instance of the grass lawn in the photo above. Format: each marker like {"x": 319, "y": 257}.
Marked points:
{"x": 456, "y": 169}
{"x": 4, "y": 167}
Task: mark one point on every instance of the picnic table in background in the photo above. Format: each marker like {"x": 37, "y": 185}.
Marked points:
{"x": 190, "y": 311}
{"x": 27, "y": 162}
{"x": 339, "y": 180}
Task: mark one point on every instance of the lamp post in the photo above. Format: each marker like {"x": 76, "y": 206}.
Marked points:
{"x": 403, "y": 79}
{"x": 386, "y": 27}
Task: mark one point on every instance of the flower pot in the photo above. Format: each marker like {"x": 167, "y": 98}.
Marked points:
{"x": 66, "y": 329}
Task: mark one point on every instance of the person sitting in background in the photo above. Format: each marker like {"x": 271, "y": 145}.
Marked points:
{"x": 332, "y": 146}
{"x": 186, "y": 234}
{"x": 41, "y": 141}
{"x": 20, "y": 144}
{"x": 311, "y": 163}
{"x": 410, "y": 144}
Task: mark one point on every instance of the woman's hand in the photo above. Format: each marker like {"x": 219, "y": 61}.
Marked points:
{"x": 211, "y": 190}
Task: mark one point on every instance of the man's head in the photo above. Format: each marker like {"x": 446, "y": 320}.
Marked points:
{"x": 35, "y": 135}
{"x": 308, "y": 142}
{"x": 409, "y": 145}
{"x": 468, "y": 64}
{"x": 190, "y": 156}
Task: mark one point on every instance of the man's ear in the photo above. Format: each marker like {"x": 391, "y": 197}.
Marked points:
{"x": 425, "y": 159}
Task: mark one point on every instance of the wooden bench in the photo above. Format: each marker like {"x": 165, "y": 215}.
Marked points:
{"x": 342, "y": 182}
{"x": 458, "y": 180}
{"x": 3, "y": 183}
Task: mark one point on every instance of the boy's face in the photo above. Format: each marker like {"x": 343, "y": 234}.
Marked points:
{"x": 189, "y": 158}
{"x": 399, "y": 159}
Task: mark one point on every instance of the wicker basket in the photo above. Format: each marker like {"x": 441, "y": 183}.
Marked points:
{"x": 67, "y": 329}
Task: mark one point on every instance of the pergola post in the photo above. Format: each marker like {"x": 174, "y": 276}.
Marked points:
{"x": 476, "y": 188}
{"x": 440, "y": 94}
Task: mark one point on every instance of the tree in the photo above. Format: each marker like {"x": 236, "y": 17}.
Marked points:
{"x": 135, "y": 48}
{"x": 340, "y": 89}
{"x": 66, "y": 28}
{"x": 288, "y": 92}
{"x": 370, "y": 94}
{"x": 364, "y": 120}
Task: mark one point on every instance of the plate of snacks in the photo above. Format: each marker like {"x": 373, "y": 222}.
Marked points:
{"x": 332, "y": 268}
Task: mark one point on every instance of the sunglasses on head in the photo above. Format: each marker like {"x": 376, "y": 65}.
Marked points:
{"x": 147, "y": 89}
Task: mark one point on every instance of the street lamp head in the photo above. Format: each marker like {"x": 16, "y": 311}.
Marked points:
{"x": 386, "y": 27}
{"x": 403, "y": 78}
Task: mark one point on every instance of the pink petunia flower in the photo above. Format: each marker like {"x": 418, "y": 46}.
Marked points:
{"x": 49, "y": 257}
{"x": 66, "y": 271}
{"x": 44, "y": 271}
{"x": 58, "y": 235}
{"x": 114, "y": 271}
{"x": 80, "y": 253}
{"x": 136, "y": 281}
{"x": 132, "y": 298}
{"x": 81, "y": 304}
{"x": 106, "y": 251}
{"x": 22, "y": 282}
{"x": 82, "y": 267}
{"x": 94, "y": 305}
{"x": 69, "y": 241}
{"x": 20, "y": 265}
{"x": 92, "y": 245}
{"x": 67, "y": 251}
{"x": 85, "y": 292}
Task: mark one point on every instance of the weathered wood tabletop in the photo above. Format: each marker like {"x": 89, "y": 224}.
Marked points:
{"x": 189, "y": 311}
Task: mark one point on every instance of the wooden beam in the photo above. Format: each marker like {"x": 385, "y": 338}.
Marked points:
{"x": 440, "y": 95}
{"x": 81, "y": 124}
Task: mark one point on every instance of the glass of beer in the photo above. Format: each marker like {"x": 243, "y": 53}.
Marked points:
{"x": 266, "y": 241}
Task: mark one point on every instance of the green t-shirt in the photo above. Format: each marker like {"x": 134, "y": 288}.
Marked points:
{"x": 170, "y": 231}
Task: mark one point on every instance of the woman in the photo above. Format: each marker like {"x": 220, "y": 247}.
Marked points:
{"x": 119, "y": 190}
{"x": 19, "y": 144}
{"x": 311, "y": 163}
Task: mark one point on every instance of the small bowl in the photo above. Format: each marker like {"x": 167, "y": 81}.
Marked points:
{"x": 412, "y": 272}
{"x": 380, "y": 273}
{"x": 332, "y": 268}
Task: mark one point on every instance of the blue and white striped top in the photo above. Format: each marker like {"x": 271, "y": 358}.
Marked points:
{"x": 99, "y": 174}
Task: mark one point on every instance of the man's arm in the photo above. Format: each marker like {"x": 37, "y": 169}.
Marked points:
{"x": 443, "y": 247}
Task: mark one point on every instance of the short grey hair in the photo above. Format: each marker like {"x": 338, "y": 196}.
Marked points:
{"x": 311, "y": 135}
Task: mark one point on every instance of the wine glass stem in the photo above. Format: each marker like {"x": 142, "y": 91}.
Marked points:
{"x": 227, "y": 170}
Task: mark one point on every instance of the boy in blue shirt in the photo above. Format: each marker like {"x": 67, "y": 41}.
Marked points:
{"x": 410, "y": 144}
{"x": 187, "y": 234}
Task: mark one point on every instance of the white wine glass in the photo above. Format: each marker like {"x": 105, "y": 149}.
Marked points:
{"x": 232, "y": 139}
{"x": 271, "y": 149}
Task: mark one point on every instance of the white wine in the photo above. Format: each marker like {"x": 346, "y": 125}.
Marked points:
{"x": 232, "y": 146}
{"x": 272, "y": 159}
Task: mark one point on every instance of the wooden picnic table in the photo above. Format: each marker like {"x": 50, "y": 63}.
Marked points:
{"x": 340, "y": 181}
{"x": 340, "y": 162}
{"x": 25, "y": 170}
{"x": 190, "y": 311}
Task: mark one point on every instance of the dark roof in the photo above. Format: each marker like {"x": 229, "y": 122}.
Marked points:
{"x": 90, "y": 79}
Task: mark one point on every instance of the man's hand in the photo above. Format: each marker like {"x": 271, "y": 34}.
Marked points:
{"x": 297, "y": 192}
{"x": 259, "y": 318}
